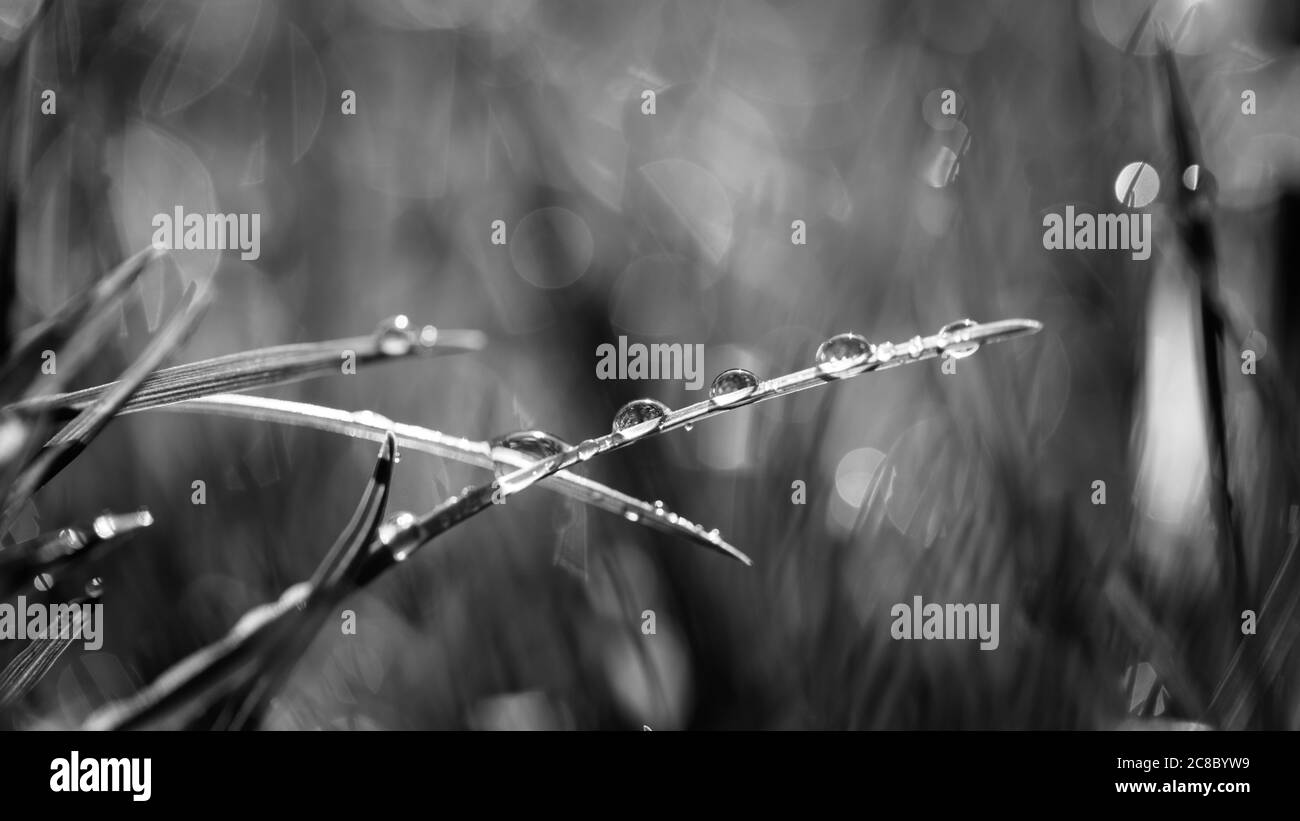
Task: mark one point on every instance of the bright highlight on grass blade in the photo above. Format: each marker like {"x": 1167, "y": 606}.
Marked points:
{"x": 395, "y": 339}
{"x": 368, "y": 425}
{"x": 73, "y": 438}
{"x": 73, "y": 331}
{"x": 957, "y": 339}
{"x": 54, "y": 552}
{"x": 838, "y": 358}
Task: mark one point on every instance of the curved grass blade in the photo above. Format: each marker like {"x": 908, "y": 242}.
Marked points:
{"x": 71, "y": 440}
{"x": 395, "y": 339}
{"x": 330, "y": 584}
{"x": 53, "y": 552}
{"x": 57, "y": 331}
{"x": 369, "y": 425}
{"x": 224, "y": 676}
{"x": 76, "y": 331}
{"x": 958, "y": 339}
{"x": 35, "y": 660}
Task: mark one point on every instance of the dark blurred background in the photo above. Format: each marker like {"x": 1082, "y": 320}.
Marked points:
{"x": 676, "y": 227}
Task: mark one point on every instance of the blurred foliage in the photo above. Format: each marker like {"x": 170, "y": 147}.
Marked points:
{"x": 675, "y": 226}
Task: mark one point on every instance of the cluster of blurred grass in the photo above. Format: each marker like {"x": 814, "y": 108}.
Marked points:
{"x": 674, "y": 227}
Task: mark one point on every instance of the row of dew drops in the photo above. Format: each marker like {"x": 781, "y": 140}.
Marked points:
{"x": 396, "y": 336}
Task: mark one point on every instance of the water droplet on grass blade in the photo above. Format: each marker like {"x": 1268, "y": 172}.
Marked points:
{"x": 588, "y": 448}
{"x": 69, "y": 541}
{"x": 638, "y": 412}
{"x": 732, "y": 385}
{"x": 631, "y": 515}
{"x": 841, "y": 349}
{"x": 963, "y": 349}
{"x": 394, "y": 525}
{"x": 395, "y": 336}
{"x": 536, "y": 443}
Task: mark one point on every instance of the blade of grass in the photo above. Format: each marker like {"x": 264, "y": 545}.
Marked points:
{"x": 265, "y": 367}
{"x": 31, "y": 664}
{"x": 55, "y": 551}
{"x": 58, "y": 330}
{"x": 330, "y": 584}
{"x": 958, "y": 339}
{"x": 261, "y": 643}
{"x": 368, "y": 425}
{"x": 71, "y": 440}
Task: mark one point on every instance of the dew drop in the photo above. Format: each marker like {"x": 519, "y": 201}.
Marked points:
{"x": 95, "y": 587}
{"x": 588, "y": 449}
{"x": 688, "y": 427}
{"x": 841, "y": 347}
{"x": 915, "y": 347}
{"x": 734, "y": 384}
{"x": 395, "y": 336}
{"x": 70, "y": 541}
{"x": 885, "y": 351}
{"x": 395, "y": 524}
{"x": 959, "y": 350}
{"x": 637, "y": 412}
{"x": 631, "y": 515}
{"x": 536, "y": 443}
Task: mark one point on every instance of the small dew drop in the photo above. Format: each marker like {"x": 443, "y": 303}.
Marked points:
{"x": 637, "y": 412}
{"x": 395, "y": 524}
{"x": 733, "y": 384}
{"x": 588, "y": 449}
{"x": 915, "y": 347}
{"x": 95, "y": 587}
{"x": 70, "y": 541}
{"x": 688, "y": 427}
{"x": 885, "y": 351}
{"x": 631, "y": 515}
{"x": 841, "y": 347}
{"x": 959, "y": 350}
{"x": 395, "y": 336}
{"x": 536, "y": 443}
{"x": 532, "y": 443}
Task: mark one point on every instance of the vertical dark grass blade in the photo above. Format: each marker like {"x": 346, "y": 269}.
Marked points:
{"x": 71, "y": 440}
{"x": 1195, "y": 206}
{"x": 1196, "y": 232}
{"x": 220, "y": 682}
